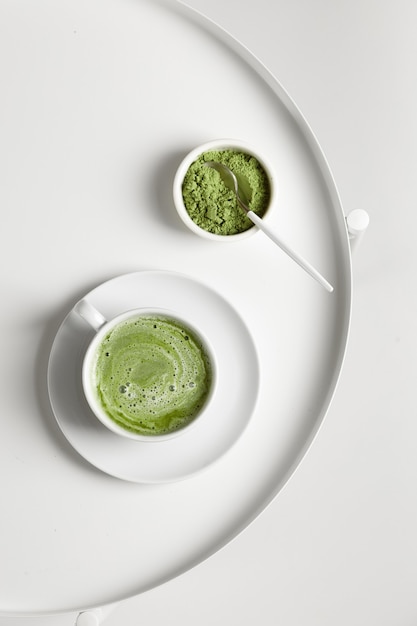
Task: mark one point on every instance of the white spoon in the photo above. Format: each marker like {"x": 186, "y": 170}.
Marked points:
{"x": 231, "y": 182}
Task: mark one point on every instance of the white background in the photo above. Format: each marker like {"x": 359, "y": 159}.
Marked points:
{"x": 339, "y": 543}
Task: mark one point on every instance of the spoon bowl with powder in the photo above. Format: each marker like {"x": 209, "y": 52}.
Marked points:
{"x": 224, "y": 191}
{"x": 207, "y": 206}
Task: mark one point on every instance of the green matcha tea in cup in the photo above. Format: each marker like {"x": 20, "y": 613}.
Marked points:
{"x": 147, "y": 374}
{"x": 207, "y": 206}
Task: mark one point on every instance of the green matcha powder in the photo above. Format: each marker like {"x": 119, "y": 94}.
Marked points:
{"x": 211, "y": 205}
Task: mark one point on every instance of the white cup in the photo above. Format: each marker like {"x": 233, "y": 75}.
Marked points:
{"x": 103, "y": 327}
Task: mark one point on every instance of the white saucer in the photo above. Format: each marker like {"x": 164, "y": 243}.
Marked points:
{"x": 227, "y": 416}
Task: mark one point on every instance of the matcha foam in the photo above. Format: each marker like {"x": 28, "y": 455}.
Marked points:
{"x": 211, "y": 205}
{"x": 152, "y": 375}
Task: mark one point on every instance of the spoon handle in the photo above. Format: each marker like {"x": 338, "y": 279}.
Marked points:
{"x": 295, "y": 257}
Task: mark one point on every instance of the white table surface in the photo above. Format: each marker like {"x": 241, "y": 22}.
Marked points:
{"x": 338, "y": 545}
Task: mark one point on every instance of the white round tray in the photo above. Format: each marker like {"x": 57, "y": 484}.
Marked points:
{"x": 102, "y": 101}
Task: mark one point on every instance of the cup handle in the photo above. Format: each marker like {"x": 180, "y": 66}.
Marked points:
{"x": 90, "y": 314}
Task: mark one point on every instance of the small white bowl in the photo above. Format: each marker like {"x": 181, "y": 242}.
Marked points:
{"x": 218, "y": 145}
